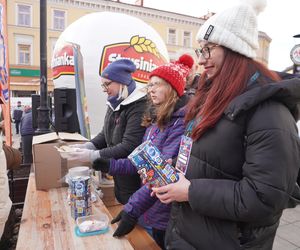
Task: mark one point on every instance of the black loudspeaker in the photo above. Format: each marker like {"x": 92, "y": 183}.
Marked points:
{"x": 65, "y": 110}
{"x": 35, "y": 103}
{"x": 296, "y": 69}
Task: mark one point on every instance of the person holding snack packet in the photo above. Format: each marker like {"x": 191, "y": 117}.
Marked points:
{"x": 164, "y": 120}
{"x": 244, "y": 159}
{"x": 122, "y": 131}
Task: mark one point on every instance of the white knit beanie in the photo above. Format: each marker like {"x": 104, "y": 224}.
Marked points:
{"x": 235, "y": 28}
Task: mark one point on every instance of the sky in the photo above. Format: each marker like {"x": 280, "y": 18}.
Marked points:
{"x": 280, "y": 20}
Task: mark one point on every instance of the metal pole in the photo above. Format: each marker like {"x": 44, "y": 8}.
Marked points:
{"x": 43, "y": 120}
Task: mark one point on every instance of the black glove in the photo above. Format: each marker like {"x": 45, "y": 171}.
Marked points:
{"x": 101, "y": 165}
{"x": 126, "y": 225}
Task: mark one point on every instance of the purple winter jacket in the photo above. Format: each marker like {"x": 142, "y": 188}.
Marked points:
{"x": 155, "y": 213}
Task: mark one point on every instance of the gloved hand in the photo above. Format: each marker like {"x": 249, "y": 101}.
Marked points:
{"x": 126, "y": 225}
{"x": 84, "y": 155}
{"x": 87, "y": 145}
{"x": 102, "y": 165}
{"x": 77, "y": 145}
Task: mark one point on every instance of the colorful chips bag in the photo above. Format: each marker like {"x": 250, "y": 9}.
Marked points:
{"x": 151, "y": 164}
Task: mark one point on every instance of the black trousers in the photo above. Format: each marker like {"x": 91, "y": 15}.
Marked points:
{"x": 159, "y": 237}
{"x": 17, "y": 126}
{"x": 27, "y": 148}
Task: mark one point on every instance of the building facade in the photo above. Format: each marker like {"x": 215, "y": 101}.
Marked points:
{"x": 177, "y": 31}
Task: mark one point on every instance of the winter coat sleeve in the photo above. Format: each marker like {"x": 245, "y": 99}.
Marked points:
{"x": 13, "y": 157}
{"x": 99, "y": 140}
{"x": 140, "y": 202}
{"x": 5, "y": 202}
{"x": 121, "y": 167}
{"x": 269, "y": 173}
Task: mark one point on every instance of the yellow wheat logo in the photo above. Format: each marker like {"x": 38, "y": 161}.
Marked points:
{"x": 141, "y": 44}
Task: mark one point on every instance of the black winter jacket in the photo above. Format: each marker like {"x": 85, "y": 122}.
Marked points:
{"x": 17, "y": 114}
{"x": 121, "y": 134}
{"x": 243, "y": 173}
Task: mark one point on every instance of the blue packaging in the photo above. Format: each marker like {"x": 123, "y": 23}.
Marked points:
{"x": 150, "y": 163}
{"x": 80, "y": 196}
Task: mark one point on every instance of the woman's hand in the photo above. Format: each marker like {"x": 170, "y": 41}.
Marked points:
{"x": 177, "y": 191}
{"x": 143, "y": 176}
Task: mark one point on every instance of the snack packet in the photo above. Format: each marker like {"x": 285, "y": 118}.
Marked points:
{"x": 150, "y": 163}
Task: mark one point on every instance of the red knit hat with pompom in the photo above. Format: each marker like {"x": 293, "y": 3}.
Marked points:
{"x": 175, "y": 73}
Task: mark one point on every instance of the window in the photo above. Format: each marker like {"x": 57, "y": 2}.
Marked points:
{"x": 59, "y": 17}
{"x": 187, "y": 39}
{"x": 24, "y": 47}
{"x": 24, "y": 15}
{"x": 24, "y": 54}
{"x": 172, "y": 37}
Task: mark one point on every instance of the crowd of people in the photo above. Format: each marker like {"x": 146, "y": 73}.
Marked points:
{"x": 237, "y": 122}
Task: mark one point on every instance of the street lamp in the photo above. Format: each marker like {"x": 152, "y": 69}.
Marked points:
{"x": 43, "y": 120}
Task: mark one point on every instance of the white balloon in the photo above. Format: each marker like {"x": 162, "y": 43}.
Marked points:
{"x": 101, "y": 36}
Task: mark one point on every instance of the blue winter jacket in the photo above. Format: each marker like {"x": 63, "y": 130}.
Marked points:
{"x": 155, "y": 213}
{"x": 26, "y": 124}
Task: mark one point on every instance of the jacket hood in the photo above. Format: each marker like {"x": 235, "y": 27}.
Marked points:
{"x": 286, "y": 92}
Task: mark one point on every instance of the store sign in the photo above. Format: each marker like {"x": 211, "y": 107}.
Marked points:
{"x": 295, "y": 54}
{"x": 63, "y": 61}
{"x": 24, "y": 72}
{"x": 4, "y": 81}
{"x": 140, "y": 50}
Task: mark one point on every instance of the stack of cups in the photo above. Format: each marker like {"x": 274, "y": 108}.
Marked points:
{"x": 80, "y": 191}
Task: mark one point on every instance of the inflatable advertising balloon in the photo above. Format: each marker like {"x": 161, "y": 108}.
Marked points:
{"x": 102, "y": 38}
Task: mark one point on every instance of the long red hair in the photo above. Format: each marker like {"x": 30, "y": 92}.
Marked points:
{"x": 212, "y": 97}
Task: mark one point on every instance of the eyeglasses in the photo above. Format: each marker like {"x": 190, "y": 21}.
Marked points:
{"x": 105, "y": 85}
{"x": 152, "y": 84}
{"x": 205, "y": 51}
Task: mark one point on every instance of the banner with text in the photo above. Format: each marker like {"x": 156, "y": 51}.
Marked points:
{"x": 4, "y": 76}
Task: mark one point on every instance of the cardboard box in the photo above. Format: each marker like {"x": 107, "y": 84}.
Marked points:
{"x": 108, "y": 198}
{"x": 106, "y": 189}
{"x": 49, "y": 167}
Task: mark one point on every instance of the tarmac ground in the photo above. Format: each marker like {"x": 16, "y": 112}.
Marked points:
{"x": 288, "y": 232}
